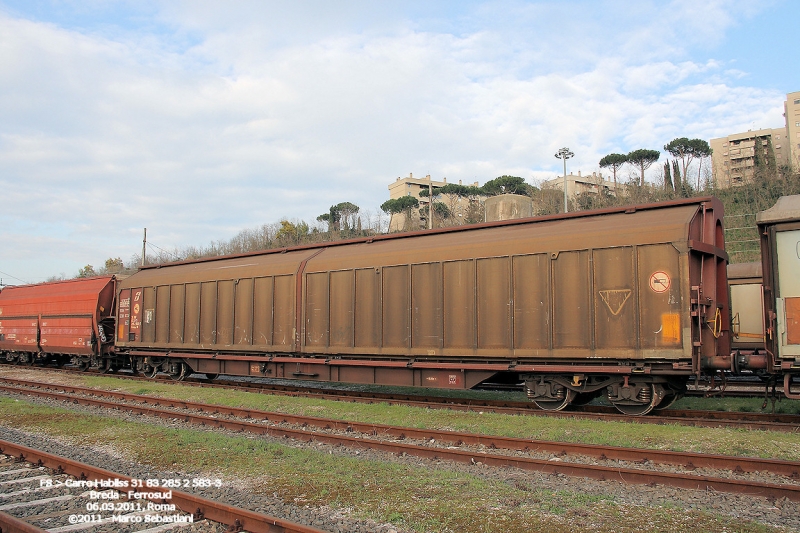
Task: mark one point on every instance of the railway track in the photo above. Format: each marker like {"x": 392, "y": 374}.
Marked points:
{"x": 40, "y": 491}
{"x": 686, "y": 417}
{"x": 627, "y": 465}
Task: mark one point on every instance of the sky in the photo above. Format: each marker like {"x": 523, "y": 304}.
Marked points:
{"x": 198, "y": 119}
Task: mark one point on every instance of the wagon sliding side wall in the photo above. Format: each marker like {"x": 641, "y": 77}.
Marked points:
{"x": 638, "y": 289}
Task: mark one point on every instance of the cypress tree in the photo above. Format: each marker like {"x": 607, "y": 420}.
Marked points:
{"x": 667, "y": 179}
{"x": 676, "y": 174}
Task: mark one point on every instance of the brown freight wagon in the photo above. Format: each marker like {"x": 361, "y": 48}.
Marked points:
{"x": 628, "y": 302}
{"x": 58, "y": 322}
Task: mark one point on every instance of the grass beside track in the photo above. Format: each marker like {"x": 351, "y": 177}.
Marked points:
{"x": 737, "y": 442}
{"x": 414, "y": 498}
{"x": 782, "y": 405}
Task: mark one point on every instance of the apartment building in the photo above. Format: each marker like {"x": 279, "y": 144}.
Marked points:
{"x": 577, "y": 184}
{"x": 412, "y": 186}
{"x": 791, "y": 110}
{"x": 734, "y": 157}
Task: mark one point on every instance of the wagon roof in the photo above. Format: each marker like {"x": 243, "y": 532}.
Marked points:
{"x": 786, "y": 209}
{"x": 744, "y": 270}
{"x": 79, "y": 295}
{"x": 69, "y": 286}
{"x": 454, "y": 229}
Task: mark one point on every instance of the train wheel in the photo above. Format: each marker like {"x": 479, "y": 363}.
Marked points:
{"x": 648, "y": 399}
{"x": 178, "y": 371}
{"x": 212, "y": 376}
{"x": 556, "y": 404}
{"x": 150, "y": 371}
{"x": 668, "y": 400}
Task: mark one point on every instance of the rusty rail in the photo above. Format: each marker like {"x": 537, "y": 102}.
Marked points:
{"x": 625, "y": 475}
{"x": 12, "y": 524}
{"x": 692, "y": 418}
{"x": 685, "y": 459}
{"x": 198, "y": 506}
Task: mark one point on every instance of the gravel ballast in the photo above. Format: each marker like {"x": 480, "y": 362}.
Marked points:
{"x": 777, "y": 513}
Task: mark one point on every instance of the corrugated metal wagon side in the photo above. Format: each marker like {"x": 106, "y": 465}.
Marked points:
{"x": 211, "y": 313}
{"x": 628, "y": 302}
{"x": 58, "y": 322}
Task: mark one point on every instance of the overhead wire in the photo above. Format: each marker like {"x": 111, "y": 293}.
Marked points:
{"x": 176, "y": 256}
{"x": 15, "y": 277}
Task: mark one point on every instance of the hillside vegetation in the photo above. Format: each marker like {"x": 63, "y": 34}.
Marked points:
{"x": 741, "y": 203}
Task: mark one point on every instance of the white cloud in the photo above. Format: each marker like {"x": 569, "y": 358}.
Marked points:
{"x": 226, "y": 117}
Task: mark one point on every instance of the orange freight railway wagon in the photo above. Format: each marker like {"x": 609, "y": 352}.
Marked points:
{"x": 58, "y": 322}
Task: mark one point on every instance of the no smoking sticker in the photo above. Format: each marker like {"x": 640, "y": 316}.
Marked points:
{"x": 659, "y": 281}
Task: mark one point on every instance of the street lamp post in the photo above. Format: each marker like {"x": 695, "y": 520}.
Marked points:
{"x": 564, "y": 154}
